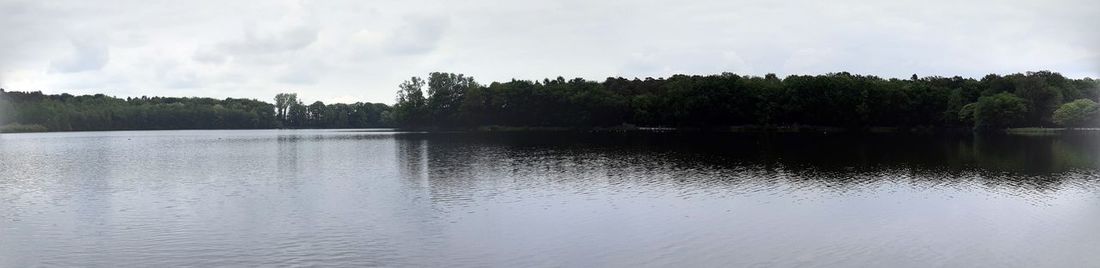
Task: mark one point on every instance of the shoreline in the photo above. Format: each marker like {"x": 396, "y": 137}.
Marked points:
{"x": 806, "y": 129}
{"x": 757, "y": 129}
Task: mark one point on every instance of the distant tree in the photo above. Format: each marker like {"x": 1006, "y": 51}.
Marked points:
{"x": 993, "y": 84}
{"x": 1043, "y": 93}
{"x": 5, "y": 108}
{"x": 339, "y": 115}
{"x": 411, "y": 106}
{"x": 282, "y": 102}
{"x": 1077, "y": 113}
{"x": 446, "y": 92}
{"x": 317, "y": 112}
{"x": 297, "y": 115}
{"x": 999, "y": 111}
{"x": 966, "y": 113}
{"x": 1089, "y": 88}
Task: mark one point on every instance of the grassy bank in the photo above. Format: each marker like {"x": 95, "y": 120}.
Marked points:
{"x": 1037, "y": 131}
{"x": 727, "y": 129}
{"x": 21, "y": 128}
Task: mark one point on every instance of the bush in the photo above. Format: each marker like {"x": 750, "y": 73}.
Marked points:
{"x": 1076, "y": 113}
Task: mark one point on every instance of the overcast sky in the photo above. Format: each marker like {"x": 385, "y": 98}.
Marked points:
{"x": 347, "y": 51}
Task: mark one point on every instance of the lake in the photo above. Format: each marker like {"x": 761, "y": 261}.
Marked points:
{"x": 383, "y": 198}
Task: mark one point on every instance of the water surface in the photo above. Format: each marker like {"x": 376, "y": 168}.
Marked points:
{"x": 379, "y": 198}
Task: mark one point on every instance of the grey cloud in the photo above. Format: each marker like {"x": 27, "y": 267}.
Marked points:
{"x": 183, "y": 82}
{"x": 179, "y": 79}
{"x": 417, "y": 35}
{"x": 303, "y": 72}
{"x": 689, "y": 61}
{"x": 293, "y": 38}
{"x": 298, "y": 77}
{"x": 27, "y": 37}
{"x": 85, "y": 56}
{"x": 209, "y": 56}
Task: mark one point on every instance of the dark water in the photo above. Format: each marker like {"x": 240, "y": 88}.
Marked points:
{"x": 332, "y": 198}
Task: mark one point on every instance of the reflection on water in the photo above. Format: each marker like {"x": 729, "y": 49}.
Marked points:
{"x": 337, "y": 198}
{"x": 833, "y": 163}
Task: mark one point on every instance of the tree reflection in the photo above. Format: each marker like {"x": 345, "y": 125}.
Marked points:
{"x": 457, "y": 165}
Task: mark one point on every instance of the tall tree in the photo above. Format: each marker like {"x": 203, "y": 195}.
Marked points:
{"x": 297, "y": 115}
{"x": 446, "y": 92}
{"x": 317, "y": 112}
{"x": 1042, "y": 91}
{"x": 411, "y": 106}
{"x": 282, "y": 102}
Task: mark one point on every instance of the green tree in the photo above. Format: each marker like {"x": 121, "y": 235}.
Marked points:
{"x": 966, "y": 113}
{"x": 282, "y": 102}
{"x": 1076, "y": 113}
{"x": 999, "y": 111}
{"x": 5, "y": 108}
{"x": 297, "y": 115}
{"x": 446, "y": 93}
{"x": 317, "y": 112}
{"x": 1043, "y": 92}
{"x": 411, "y": 107}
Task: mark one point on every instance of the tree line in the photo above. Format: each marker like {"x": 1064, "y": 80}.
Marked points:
{"x": 292, "y": 113}
{"x": 1032, "y": 99}
{"x": 457, "y": 101}
{"x": 35, "y": 111}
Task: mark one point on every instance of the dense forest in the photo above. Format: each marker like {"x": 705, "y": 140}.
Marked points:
{"x": 34, "y": 111}
{"x": 1033, "y": 99}
{"x": 456, "y": 101}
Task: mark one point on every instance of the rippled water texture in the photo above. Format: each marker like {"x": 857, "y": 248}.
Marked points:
{"x": 375, "y": 198}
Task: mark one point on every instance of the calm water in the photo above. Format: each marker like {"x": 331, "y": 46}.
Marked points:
{"x": 338, "y": 198}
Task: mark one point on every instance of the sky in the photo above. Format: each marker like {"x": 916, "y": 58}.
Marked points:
{"x": 351, "y": 51}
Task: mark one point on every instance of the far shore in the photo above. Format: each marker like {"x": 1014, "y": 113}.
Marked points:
{"x": 759, "y": 129}
{"x": 19, "y": 128}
